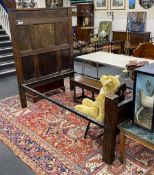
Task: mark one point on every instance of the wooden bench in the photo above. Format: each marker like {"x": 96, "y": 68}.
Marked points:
{"x": 115, "y": 113}
{"x": 85, "y": 83}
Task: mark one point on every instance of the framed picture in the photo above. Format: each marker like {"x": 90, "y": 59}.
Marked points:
{"x": 74, "y": 2}
{"x": 144, "y": 97}
{"x": 136, "y": 21}
{"x": 54, "y": 3}
{"x": 117, "y": 4}
{"x": 101, "y": 4}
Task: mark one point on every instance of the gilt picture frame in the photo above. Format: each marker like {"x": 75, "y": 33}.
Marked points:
{"x": 101, "y": 4}
{"x": 117, "y": 4}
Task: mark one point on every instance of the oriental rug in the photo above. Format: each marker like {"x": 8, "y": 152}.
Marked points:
{"x": 63, "y": 150}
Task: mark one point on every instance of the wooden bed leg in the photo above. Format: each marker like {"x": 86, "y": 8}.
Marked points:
{"x": 109, "y": 143}
{"x": 110, "y": 129}
{"x": 23, "y": 98}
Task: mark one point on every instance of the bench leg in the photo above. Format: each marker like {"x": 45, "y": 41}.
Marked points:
{"x": 82, "y": 92}
{"x": 87, "y": 129}
{"x": 74, "y": 93}
{"x": 93, "y": 98}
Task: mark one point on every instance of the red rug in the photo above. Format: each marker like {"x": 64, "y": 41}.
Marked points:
{"x": 63, "y": 151}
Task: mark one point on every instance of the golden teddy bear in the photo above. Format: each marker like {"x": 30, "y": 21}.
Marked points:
{"x": 95, "y": 109}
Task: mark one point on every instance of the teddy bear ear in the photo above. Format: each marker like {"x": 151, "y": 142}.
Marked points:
{"x": 117, "y": 76}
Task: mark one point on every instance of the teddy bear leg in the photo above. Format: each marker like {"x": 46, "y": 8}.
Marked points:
{"x": 89, "y": 111}
{"x": 87, "y": 102}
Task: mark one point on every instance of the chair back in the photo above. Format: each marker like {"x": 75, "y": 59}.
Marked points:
{"x": 104, "y": 30}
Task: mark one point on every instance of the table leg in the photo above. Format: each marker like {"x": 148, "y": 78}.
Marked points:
{"x": 122, "y": 146}
{"x": 83, "y": 67}
{"x": 83, "y": 93}
{"x": 97, "y": 66}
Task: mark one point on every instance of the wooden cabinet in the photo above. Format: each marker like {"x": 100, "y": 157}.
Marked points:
{"x": 85, "y": 21}
{"x": 42, "y": 46}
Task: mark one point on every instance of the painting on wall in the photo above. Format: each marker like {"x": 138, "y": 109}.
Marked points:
{"x": 101, "y": 4}
{"x": 54, "y": 3}
{"x": 74, "y": 2}
{"x": 132, "y": 4}
{"x": 26, "y": 3}
{"x": 117, "y": 4}
{"x": 136, "y": 21}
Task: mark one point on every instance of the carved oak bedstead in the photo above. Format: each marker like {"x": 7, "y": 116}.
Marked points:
{"x": 42, "y": 46}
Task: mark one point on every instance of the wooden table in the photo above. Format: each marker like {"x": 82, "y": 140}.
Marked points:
{"x": 135, "y": 133}
{"x": 111, "y": 59}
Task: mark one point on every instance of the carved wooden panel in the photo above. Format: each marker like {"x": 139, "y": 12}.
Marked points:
{"x": 28, "y": 67}
{"x": 42, "y": 44}
{"x": 47, "y": 63}
{"x": 44, "y": 35}
{"x": 62, "y": 33}
{"x": 24, "y": 39}
{"x": 65, "y": 60}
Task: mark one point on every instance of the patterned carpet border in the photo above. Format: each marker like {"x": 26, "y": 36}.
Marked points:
{"x": 63, "y": 150}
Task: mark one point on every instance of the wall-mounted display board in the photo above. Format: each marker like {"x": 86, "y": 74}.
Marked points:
{"x": 42, "y": 46}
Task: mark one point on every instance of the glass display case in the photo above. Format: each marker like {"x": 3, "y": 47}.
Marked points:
{"x": 144, "y": 97}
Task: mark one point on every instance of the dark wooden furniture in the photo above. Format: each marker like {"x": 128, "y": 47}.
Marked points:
{"x": 85, "y": 83}
{"x": 144, "y": 50}
{"x": 85, "y": 21}
{"x": 115, "y": 113}
{"x": 42, "y": 46}
{"x": 111, "y": 46}
{"x": 134, "y": 38}
{"x": 10, "y": 4}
